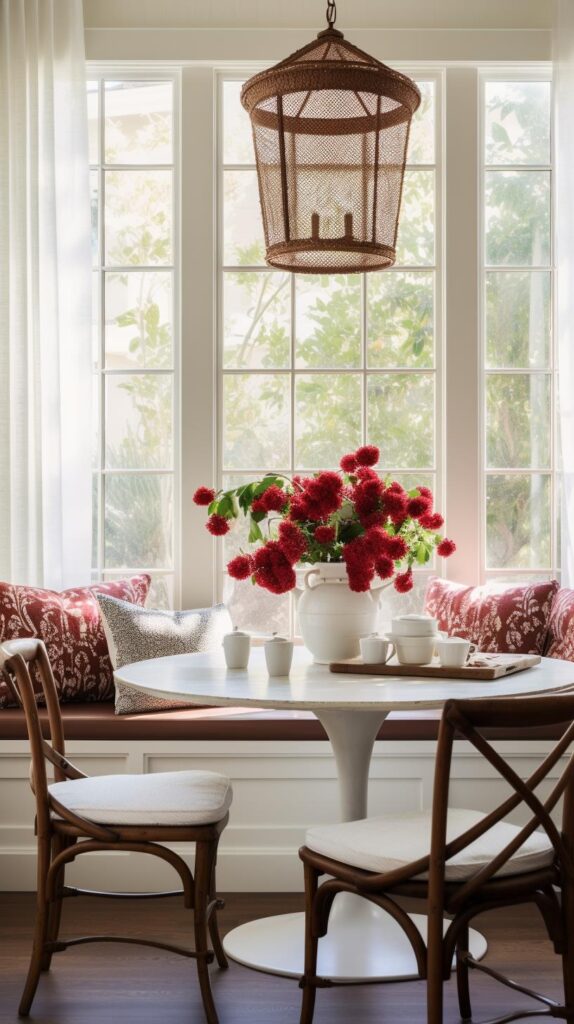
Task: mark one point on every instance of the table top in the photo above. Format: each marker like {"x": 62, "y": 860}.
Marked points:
{"x": 205, "y": 679}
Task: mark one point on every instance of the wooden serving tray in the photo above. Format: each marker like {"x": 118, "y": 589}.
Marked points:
{"x": 506, "y": 664}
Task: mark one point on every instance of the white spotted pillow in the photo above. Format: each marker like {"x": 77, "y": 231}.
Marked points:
{"x": 138, "y": 634}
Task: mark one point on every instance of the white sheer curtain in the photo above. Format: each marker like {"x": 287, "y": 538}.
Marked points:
{"x": 564, "y": 231}
{"x": 45, "y": 295}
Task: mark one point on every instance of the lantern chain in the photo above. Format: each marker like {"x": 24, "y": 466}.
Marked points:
{"x": 331, "y": 13}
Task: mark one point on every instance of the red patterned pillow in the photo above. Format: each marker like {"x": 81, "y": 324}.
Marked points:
{"x": 69, "y": 623}
{"x": 560, "y": 643}
{"x": 493, "y": 617}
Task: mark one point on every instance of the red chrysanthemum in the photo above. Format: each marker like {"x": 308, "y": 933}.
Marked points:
{"x": 372, "y": 519}
{"x": 298, "y": 508}
{"x": 395, "y": 504}
{"x": 292, "y": 541}
{"x": 396, "y": 548}
{"x": 396, "y": 486}
{"x": 321, "y": 495}
{"x": 217, "y": 525}
{"x": 348, "y": 463}
{"x": 324, "y": 534}
{"x": 366, "y": 473}
{"x": 431, "y": 520}
{"x": 404, "y": 582}
{"x": 368, "y": 455}
{"x": 360, "y": 563}
{"x": 258, "y": 507}
{"x": 367, "y": 497}
{"x": 446, "y": 547}
{"x": 376, "y": 540}
{"x": 204, "y": 496}
{"x": 427, "y": 493}
{"x": 273, "y": 499}
{"x": 418, "y": 506}
{"x": 240, "y": 567}
{"x": 273, "y": 571}
{"x": 385, "y": 567}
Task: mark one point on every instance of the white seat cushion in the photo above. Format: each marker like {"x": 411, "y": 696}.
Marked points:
{"x": 386, "y": 843}
{"x": 162, "y": 798}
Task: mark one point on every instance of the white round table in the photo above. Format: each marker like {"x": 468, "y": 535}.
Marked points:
{"x": 363, "y": 942}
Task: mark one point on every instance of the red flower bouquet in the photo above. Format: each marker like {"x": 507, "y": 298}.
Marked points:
{"x": 356, "y": 516}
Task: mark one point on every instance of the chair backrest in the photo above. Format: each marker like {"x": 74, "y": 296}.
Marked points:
{"x": 468, "y": 718}
{"x": 24, "y": 661}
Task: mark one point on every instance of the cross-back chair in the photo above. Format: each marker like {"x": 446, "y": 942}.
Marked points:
{"x": 508, "y": 864}
{"x": 64, "y": 832}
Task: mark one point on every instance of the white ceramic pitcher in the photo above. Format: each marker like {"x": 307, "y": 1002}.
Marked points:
{"x": 332, "y": 617}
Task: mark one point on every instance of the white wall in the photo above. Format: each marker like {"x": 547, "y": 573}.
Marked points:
{"x": 279, "y": 790}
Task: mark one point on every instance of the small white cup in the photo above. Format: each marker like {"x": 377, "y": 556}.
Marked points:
{"x": 375, "y": 650}
{"x": 278, "y": 655}
{"x": 453, "y": 651}
{"x": 236, "y": 647}
{"x": 414, "y": 650}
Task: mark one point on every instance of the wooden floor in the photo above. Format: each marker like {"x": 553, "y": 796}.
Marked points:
{"x": 135, "y": 985}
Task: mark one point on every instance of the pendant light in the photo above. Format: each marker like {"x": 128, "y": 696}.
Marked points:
{"x": 330, "y": 131}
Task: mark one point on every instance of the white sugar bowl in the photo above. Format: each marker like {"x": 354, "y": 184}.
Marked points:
{"x": 414, "y": 625}
{"x": 236, "y": 647}
{"x": 278, "y": 655}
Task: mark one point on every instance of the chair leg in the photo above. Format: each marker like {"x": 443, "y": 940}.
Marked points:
{"x": 462, "y": 973}
{"x": 40, "y": 927}
{"x": 59, "y": 843}
{"x": 214, "y": 921}
{"x": 435, "y": 968}
{"x": 205, "y": 853}
{"x": 311, "y": 947}
{"x": 568, "y": 951}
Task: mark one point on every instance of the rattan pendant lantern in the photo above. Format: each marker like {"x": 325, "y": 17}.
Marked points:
{"x": 330, "y": 130}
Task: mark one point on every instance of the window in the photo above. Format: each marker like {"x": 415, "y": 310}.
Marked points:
{"x": 519, "y": 367}
{"x": 308, "y": 367}
{"x": 311, "y": 367}
{"x": 133, "y": 150}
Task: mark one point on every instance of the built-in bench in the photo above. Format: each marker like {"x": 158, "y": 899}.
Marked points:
{"x": 97, "y": 721}
{"x": 284, "y": 779}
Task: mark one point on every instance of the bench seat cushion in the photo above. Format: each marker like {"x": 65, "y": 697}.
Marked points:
{"x": 394, "y": 840}
{"x": 162, "y": 798}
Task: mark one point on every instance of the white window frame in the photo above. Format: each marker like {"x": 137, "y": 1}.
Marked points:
{"x": 516, "y": 74}
{"x": 100, "y": 72}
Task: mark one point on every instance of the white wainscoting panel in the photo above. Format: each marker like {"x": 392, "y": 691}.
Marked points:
{"x": 280, "y": 788}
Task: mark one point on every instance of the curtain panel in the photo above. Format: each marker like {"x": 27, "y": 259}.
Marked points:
{"x": 45, "y": 296}
{"x": 563, "y": 55}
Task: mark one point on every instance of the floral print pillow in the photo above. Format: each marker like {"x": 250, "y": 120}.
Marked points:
{"x": 560, "y": 643}
{"x": 70, "y": 625}
{"x": 495, "y": 618}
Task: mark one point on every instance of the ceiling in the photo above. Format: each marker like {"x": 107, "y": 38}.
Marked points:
{"x": 258, "y": 14}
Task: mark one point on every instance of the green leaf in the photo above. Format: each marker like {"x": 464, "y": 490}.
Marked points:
{"x": 423, "y": 554}
{"x": 254, "y": 532}
{"x": 264, "y": 484}
{"x": 226, "y": 505}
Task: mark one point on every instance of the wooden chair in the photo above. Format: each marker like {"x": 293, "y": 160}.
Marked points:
{"x": 195, "y": 804}
{"x": 461, "y": 862}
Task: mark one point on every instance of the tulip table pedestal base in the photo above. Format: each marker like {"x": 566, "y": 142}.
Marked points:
{"x": 363, "y": 942}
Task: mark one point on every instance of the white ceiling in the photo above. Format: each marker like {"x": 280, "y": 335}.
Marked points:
{"x": 246, "y": 14}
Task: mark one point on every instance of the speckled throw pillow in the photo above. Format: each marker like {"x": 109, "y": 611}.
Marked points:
{"x": 138, "y": 634}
